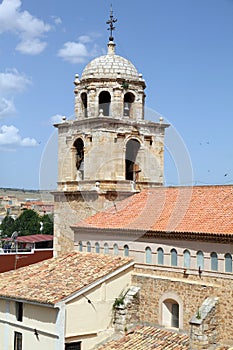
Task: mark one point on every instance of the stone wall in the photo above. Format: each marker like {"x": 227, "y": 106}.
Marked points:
{"x": 126, "y": 310}
{"x": 204, "y": 333}
{"x": 72, "y": 207}
{"x": 190, "y": 293}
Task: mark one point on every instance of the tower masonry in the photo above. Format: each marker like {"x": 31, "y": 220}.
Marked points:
{"x": 109, "y": 151}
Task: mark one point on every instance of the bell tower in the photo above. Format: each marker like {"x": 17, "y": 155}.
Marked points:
{"x": 109, "y": 151}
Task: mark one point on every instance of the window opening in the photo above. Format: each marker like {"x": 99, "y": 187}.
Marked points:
{"x": 148, "y": 255}
{"x": 115, "y": 249}
{"x": 73, "y": 346}
{"x": 128, "y": 101}
{"x": 18, "y": 341}
{"x": 97, "y": 247}
{"x": 106, "y": 249}
{"x": 160, "y": 255}
{"x": 80, "y": 246}
{"x": 228, "y": 262}
{"x": 126, "y": 250}
{"x": 131, "y": 167}
{"x": 170, "y": 313}
{"x": 19, "y": 311}
{"x": 79, "y": 145}
{"x": 105, "y": 102}
{"x": 88, "y": 247}
{"x": 200, "y": 260}
{"x": 84, "y": 103}
{"x": 214, "y": 261}
{"x": 173, "y": 257}
{"x": 187, "y": 258}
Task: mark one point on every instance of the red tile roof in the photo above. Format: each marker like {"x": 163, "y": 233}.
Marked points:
{"x": 200, "y": 209}
{"x": 34, "y": 238}
{"x": 52, "y": 280}
{"x": 148, "y": 338}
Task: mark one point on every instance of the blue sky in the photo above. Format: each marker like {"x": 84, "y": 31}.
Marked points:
{"x": 183, "y": 48}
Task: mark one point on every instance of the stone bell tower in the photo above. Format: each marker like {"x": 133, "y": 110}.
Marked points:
{"x": 109, "y": 151}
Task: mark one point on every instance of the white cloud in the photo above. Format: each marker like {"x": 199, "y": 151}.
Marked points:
{"x": 7, "y": 108}
{"x": 11, "y": 83}
{"x": 31, "y": 47}
{"x": 28, "y": 28}
{"x": 57, "y": 20}
{"x": 58, "y": 118}
{"x": 9, "y": 136}
{"x": 73, "y": 52}
{"x": 84, "y": 39}
{"x": 80, "y": 51}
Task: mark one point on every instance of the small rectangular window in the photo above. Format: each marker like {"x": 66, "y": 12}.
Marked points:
{"x": 19, "y": 311}
{"x": 18, "y": 341}
{"x": 73, "y": 346}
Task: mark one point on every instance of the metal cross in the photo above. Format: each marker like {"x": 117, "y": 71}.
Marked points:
{"x": 110, "y": 22}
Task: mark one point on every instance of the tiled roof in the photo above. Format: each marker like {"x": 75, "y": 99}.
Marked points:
{"x": 35, "y": 238}
{"x": 52, "y": 280}
{"x": 148, "y": 338}
{"x": 200, "y": 209}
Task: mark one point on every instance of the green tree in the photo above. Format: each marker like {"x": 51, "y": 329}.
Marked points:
{"x": 28, "y": 223}
{"x": 47, "y": 221}
{"x": 7, "y": 226}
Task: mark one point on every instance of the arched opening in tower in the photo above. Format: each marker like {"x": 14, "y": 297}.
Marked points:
{"x": 84, "y": 103}
{"x": 128, "y": 104}
{"x": 105, "y": 102}
{"x": 79, "y": 159}
{"x": 131, "y": 165}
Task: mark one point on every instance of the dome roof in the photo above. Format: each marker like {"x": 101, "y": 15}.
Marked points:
{"x": 110, "y": 66}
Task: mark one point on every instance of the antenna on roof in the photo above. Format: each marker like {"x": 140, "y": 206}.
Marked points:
{"x": 14, "y": 236}
{"x": 111, "y": 21}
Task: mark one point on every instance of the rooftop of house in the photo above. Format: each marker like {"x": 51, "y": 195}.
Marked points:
{"x": 56, "y": 279}
{"x": 198, "y": 209}
{"x": 147, "y": 337}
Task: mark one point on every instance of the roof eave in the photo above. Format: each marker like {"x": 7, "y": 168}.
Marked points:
{"x": 89, "y": 287}
{"x": 210, "y": 236}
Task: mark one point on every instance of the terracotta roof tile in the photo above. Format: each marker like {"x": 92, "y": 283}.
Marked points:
{"x": 147, "y": 337}
{"x": 54, "y": 279}
{"x": 200, "y": 209}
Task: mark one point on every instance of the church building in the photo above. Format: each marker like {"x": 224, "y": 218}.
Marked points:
{"x": 111, "y": 200}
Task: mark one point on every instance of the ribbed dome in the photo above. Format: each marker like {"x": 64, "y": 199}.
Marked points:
{"x": 110, "y": 66}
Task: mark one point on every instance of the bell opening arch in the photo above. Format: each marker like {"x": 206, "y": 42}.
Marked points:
{"x": 131, "y": 162}
{"x": 79, "y": 158}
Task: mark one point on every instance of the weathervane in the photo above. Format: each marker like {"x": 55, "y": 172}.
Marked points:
{"x": 110, "y": 22}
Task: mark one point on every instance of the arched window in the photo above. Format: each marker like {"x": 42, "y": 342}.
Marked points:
{"x": 128, "y": 101}
{"x": 173, "y": 257}
{"x": 200, "y": 260}
{"x": 160, "y": 255}
{"x": 126, "y": 250}
{"x": 88, "y": 247}
{"x": 79, "y": 159}
{"x": 187, "y": 259}
{"x": 104, "y": 102}
{"x": 115, "y": 249}
{"x": 131, "y": 167}
{"x": 170, "y": 313}
{"x": 214, "y": 261}
{"x": 97, "y": 247}
{"x": 228, "y": 262}
{"x": 80, "y": 246}
{"x": 106, "y": 249}
{"x": 84, "y": 103}
{"x": 148, "y": 255}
